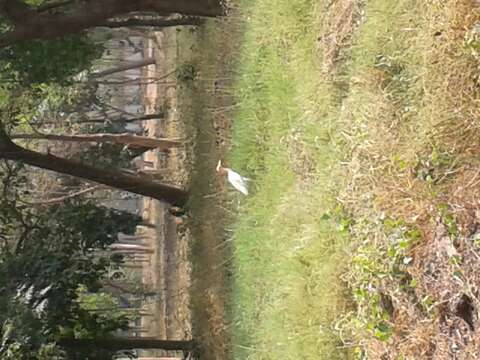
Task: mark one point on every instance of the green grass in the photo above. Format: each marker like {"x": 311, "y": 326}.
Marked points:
{"x": 387, "y": 133}
{"x": 336, "y": 159}
{"x": 287, "y": 251}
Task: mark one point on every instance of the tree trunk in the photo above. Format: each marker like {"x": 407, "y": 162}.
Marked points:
{"x": 127, "y": 343}
{"x": 153, "y": 22}
{"x": 52, "y": 6}
{"x": 159, "y": 116}
{"x": 82, "y": 15}
{"x": 113, "y": 178}
{"x": 123, "y": 139}
{"x": 130, "y": 66}
{"x": 97, "y": 120}
{"x": 116, "y": 288}
{"x": 64, "y": 198}
{"x": 159, "y": 358}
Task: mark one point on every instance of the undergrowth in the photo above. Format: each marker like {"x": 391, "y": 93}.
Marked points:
{"x": 410, "y": 124}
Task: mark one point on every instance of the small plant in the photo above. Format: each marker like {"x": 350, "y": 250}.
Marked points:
{"x": 428, "y": 305}
{"x": 343, "y": 220}
{"x": 186, "y": 72}
{"x": 448, "y": 220}
{"x": 359, "y": 353}
{"x": 472, "y": 41}
{"x": 435, "y": 167}
{"x": 476, "y": 240}
{"x": 380, "y": 265}
{"x": 389, "y": 65}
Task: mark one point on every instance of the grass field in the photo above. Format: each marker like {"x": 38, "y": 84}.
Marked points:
{"x": 287, "y": 251}
{"x": 358, "y": 121}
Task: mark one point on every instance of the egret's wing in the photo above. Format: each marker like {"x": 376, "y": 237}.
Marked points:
{"x": 237, "y": 182}
{"x": 241, "y": 187}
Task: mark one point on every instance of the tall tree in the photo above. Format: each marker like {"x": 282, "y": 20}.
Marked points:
{"x": 53, "y": 268}
{"x": 114, "y": 178}
{"x": 76, "y": 16}
{"x": 92, "y": 226}
{"x": 101, "y": 119}
{"x": 53, "y": 60}
{"x": 117, "y": 344}
{"x": 123, "y": 139}
{"x": 134, "y": 22}
{"x": 125, "y": 67}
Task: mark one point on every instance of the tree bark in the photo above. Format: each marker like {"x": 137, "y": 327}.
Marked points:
{"x": 97, "y": 120}
{"x": 132, "y": 65}
{"x": 153, "y": 22}
{"x": 120, "y": 289}
{"x": 113, "y": 178}
{"x": 82, "y": 15}
{"x": 117, "y": 344}
{"x": 135, "y": 81}
{"x": 123, "y": 139}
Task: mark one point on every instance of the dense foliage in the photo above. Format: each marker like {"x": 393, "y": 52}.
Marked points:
{"x": 50, "y": 258}
{"x": 47, "y": 61}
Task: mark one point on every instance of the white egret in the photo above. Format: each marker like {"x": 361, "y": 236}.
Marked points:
{"x": 238, "y": 181}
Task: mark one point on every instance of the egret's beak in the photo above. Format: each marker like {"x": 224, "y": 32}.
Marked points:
{"x": 219, "y": 165}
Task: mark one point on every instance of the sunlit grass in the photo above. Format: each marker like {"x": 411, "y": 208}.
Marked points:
{"x": 288, "y": 254}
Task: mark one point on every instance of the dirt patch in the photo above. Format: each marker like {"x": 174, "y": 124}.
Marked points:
{"x": 302, "y": 162}
{"x": 167, "y": 273}
{"x": 176, "y": 267}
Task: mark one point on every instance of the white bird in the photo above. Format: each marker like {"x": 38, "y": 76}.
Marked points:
{"x": 238, "y": 181}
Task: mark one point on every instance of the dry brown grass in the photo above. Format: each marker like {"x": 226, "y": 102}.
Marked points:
{"x": 339, "y": 21}
{"x": 421, "y": 166}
